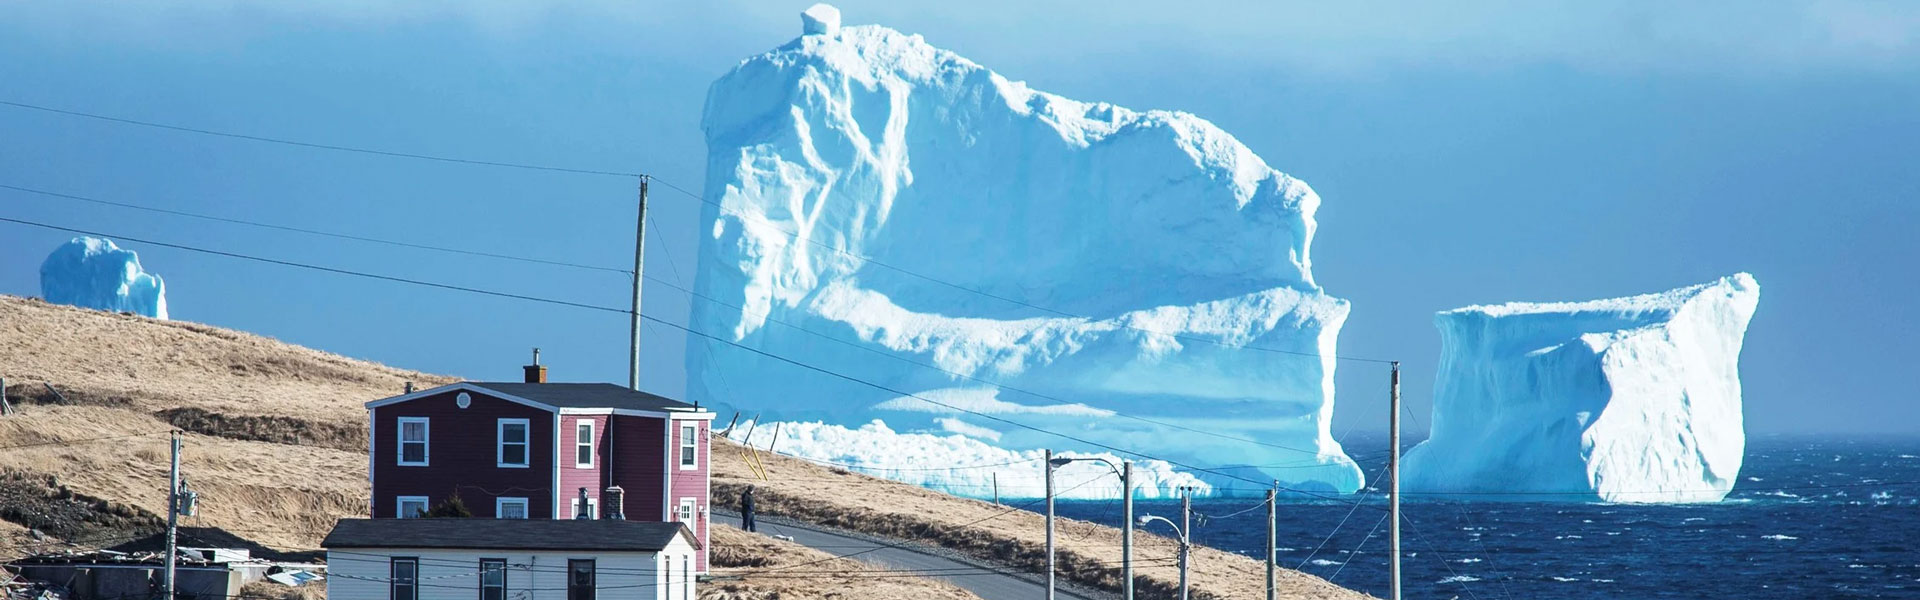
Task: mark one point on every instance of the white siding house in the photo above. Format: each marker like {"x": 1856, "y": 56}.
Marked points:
{"x": 488, "y": 559}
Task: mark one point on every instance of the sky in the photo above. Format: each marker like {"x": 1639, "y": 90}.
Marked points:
{"x": 1471, "y": 152}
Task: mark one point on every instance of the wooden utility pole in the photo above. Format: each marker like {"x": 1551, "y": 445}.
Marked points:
{"x": 1049, "y": 492}
{"x": 1270, "y": 539}
{"x": 173, "y": 514}
{"x": 1393, "y": 493}
{"x": 639, "y": 268}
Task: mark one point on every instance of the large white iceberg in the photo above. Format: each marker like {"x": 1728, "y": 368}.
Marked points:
{"x": 1625, "y": 400}
{"x": 885, "y": 209}
{"x": 94, "y": 273}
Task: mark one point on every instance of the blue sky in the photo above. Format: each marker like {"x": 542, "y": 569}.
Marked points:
{"x": 1479, "y": 152}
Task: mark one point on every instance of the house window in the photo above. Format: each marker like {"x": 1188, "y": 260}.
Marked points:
{"x": 413, "y": 441}
{"x": 583, "y": 444}
{"x": 510, "y": 508}
{"x": 404, "y": 579}
{"x": 410, "y": 507}
{"x": 512, "y": 450}
{"x": 689, "y": 447}
{"x": 493, "y": 579}
{"x": 592, "y": 508}
{"x": 580, "y": 584}
{"x": 685, "y": 514}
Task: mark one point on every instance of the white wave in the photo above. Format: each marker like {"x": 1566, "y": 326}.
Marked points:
{"x": 1321, "y": 562}
{"x": 1566, "y": 579}
{"x": 1778, "y": 537}
{"x": 1460, "y": 579}
{"x": 1468, "y": 560}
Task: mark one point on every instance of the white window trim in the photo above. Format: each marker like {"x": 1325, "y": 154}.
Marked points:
{"x": 500, "y": 443}
{"x": 681, "y": 430}
{"x": 591, "y": 439}
{"x": 593, "y": 508}
{"x": 400, "y": 506}
{"x": 502, "y": 502}
{"x": 400, "y": 436}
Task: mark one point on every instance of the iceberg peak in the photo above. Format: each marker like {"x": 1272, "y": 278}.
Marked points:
{"x": 820, "y": 19}
{"x": 91, "y": 272}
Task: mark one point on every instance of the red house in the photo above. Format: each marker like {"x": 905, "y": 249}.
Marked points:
{"x": 536, "y": 450}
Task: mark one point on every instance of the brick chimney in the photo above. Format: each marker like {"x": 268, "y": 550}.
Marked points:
{"x": 536, "y": 373}
{"x": 613, "y": 502}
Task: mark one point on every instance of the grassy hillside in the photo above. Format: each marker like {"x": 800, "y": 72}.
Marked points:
{"x": 277, "y": 449}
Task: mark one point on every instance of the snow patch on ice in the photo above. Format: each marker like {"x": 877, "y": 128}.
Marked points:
{"x": 960, "y": 464}
{"x": 94, "y": 273}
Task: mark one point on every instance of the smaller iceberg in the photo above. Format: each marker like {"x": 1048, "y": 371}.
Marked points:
{"x": 93, "y": 273}
{"x": 1624, "y": 400}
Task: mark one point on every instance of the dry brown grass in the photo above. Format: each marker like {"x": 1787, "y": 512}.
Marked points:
{"x": 267, "y": 590}
{"x": 279, "y": 451}
{"x": 1086, "y": 552}
{"x": 740, "y": 560}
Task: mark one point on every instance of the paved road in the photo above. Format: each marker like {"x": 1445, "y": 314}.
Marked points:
{"x": 986, "y": 582}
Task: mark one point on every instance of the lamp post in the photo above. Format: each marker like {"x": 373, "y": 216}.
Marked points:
{"x": 1185, "y": 546}
{"x": 1124, "y": 471}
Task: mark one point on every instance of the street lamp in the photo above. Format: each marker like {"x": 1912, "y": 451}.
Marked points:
{"x": 1124, "y": 471}
{"x": 1186, "y": 546}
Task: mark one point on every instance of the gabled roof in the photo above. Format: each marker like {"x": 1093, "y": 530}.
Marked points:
{"x": 574, "y": 398}
{"x": 585, "y": 395}
{"x": 576, "y": 535}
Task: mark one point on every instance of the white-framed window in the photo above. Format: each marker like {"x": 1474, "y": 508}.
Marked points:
{"x": 593, "y": 508}
{"x": 511, "y": 451}
{"x": 413, "y": 442}
{"x": 689, "y": 446}
{"x": 409, "y": 507}
{"x": 510, "y": 508}
{"x": 686, "y": 511}
{"x": 403, "y": 578}
{"x": 583, "y": 444}
{"x": 493, "y": 579}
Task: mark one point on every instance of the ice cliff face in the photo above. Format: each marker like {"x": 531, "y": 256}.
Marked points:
{"x": 949, "y": 230}
{"x": 93, "y": 273}
{"x": 1625, "y": 400}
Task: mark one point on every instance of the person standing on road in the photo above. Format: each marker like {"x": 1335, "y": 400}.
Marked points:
{"x": 746, "y": 509}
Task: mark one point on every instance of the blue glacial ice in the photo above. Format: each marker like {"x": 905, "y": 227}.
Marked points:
{"x": 1623, "y": 400}
{"x": 892, "y": 211}
{"x": 94, "y": 273}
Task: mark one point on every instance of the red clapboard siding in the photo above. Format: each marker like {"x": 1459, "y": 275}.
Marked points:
{"x": 692, "y": 483}
{"x": 461, "y": 455}
{"x": 637, "y": 441}
{"x": 572, "y": 478}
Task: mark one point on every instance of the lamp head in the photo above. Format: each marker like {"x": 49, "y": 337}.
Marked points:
{"x": 1060, "y": 462}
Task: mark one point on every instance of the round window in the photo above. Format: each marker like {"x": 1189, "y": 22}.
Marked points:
{"x": 463, "y": 400}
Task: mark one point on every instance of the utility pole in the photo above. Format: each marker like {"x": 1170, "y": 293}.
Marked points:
{"x": 173, "y": 513}
{"x": 1049, "y": 491}
{"x": 1393, "y": 474}
{"x": 639, "y": 268}
{"x": 1126, "y": 532}
{"x": 1270, "y": 539}
{"x": 1186, "y": 537}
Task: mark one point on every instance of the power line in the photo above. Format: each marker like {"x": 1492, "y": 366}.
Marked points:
{"x": 287, "y": 263}
{"x": 928, "y": 278}
{"x": 339, "y": 148}
{"x": 668, "y": 185}
{"x": 344, "y": 236}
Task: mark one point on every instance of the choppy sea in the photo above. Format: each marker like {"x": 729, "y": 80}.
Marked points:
{"x": 1809, "y": 518}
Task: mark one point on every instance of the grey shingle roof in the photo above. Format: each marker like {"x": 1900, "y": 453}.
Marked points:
{"x": 505, "y": 534}
{"x": 585, "y": 395}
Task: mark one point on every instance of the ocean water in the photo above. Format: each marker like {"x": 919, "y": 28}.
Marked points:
{"x": 1809, "y": 518}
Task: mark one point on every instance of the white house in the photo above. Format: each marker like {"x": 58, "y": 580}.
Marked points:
{"x": 509, "y": 559}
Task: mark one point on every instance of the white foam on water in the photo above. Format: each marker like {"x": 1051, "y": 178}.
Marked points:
{"x": 1566, "y": 579}
{"x": 1468, "y": 560}
{"x": 1321, "y": 562}
{"x": 1778, "y": 537}
{"x": 1460, "y": 579}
